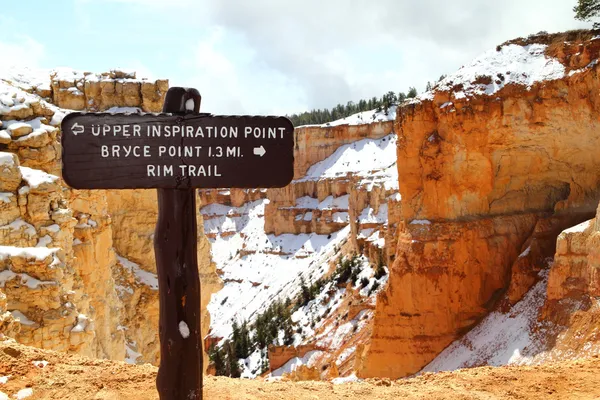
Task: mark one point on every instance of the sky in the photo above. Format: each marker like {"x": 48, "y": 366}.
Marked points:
{"x": 271, "y": 57}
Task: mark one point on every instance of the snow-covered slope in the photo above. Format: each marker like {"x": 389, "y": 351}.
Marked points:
{"x": 497, "y": 68}
{"x": 364, "y": 117}
{"x": 259, "y": 268}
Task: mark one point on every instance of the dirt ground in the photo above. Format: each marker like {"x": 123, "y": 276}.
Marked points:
{"x": 68, "y": 377}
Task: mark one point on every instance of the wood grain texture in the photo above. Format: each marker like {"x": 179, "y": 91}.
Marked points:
{"x": 175, "y": 246}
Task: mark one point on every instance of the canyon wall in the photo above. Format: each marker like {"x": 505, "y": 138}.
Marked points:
{"x": 77, "y": 266}
{"x": 490, "y": 164}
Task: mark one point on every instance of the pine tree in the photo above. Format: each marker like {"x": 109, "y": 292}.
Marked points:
{"x": 233, "y": 366}
{"x": 304, "y": 292}
{"x": 428, "y": 87}
{"x": 412, "y": 93}
{"x": 585, "y": 10}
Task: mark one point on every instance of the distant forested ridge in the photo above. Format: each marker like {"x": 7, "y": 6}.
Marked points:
{"x": 382, "y": 103}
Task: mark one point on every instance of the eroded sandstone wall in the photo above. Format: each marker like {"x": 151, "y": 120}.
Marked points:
{"x": 77, "y": 266}
{"x": 314, "y": 143}
{"x": 479, "y": 175}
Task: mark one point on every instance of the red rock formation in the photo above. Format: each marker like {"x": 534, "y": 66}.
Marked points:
{"x": 477, "y": 173}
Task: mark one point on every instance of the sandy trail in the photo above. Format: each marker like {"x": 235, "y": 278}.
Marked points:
{"x": 69, "y": 377}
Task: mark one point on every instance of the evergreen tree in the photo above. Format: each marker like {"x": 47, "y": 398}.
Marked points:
{"x": 216, "y": 355}
{"x": 428, "y": 87}
{"x": 585, "y": 10}
{"x": 233, "y": 367}
{"x": 304, "y": 292}
{"x": 412, "y": 93}
{"x": 401, "y": 97}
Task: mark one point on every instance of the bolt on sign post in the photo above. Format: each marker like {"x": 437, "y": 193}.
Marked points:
{"x": 176, "y": 152}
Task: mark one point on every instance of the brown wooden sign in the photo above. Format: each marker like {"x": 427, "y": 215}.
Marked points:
{"x": 170, "y": 151}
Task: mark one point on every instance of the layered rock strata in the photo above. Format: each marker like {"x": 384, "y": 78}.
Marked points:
{"x": 494, "y": 159}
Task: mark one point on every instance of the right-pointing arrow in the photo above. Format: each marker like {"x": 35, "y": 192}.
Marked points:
{"x": 259, "y": 151}
{"x": 76, "y": 129}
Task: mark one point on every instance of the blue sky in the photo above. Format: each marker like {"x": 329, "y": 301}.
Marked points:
{"x": 271, "y": 56}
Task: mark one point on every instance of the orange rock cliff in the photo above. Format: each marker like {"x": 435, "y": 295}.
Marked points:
{"x": 486, "y": 169}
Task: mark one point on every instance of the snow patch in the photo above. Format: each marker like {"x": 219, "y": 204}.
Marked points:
{"x": 184, "y": 330}
{"x": 500, "y": 339}
{"x": 82, "y": 323}
{"x": 22, "y": 318}
{"x": 40, "y": 363}
{"x": 578, "y": 228}
{"x": 360, "y": 158}
{"x": 24, "y": 393}
{"x": 36, "y": 177}
{"x": 6, "y": 159}
{"x": 144, "y": 277}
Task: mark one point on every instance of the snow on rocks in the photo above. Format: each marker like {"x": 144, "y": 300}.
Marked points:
{"x": 37, "y": 179}
{"x": 364, "y": 117}
{"x": 360, "y": 158}
{"x": 295, "y": 362}
{"x": 40, "y": 363}
{"x": 10, "y": 175}
{"x": 250, "y": 255}
{"x": 500, "y": 339}
{"x": 131, "y": 355}
{"x": 30, "y": 253}
{"x": 141, "y": 276}
{"x": 494, "y": 69}
{"x": 22, "y": 318}
{"x": 24, "y": 393}
{"x": 82, "y": 323}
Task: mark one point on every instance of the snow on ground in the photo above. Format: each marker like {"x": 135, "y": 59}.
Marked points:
{"x": 131, "y": 355}
{"x": 364, "y": 117}
{"x": 259, "y": 268}
{"x": 24, "y": 393}
{"x": 500, "y": 339}
{"x": 141, "y": 276}
{"x": 346, "y": 379}
{"x": 369, "y": 216}
{"x": 360, "y": 158}
{"x": 290, "y": 366}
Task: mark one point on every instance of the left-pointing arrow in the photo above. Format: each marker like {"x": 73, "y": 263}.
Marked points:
{"x": 77, "y": 129}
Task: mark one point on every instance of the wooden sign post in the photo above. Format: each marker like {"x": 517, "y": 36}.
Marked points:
{"x": 176, "y": 152}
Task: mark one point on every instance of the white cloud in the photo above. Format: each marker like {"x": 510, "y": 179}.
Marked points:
{"x": 273, "y": 56}
{"x": 232, "y": 80}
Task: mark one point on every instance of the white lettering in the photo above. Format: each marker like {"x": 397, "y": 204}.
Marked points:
{"x": 104, "y": 151}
